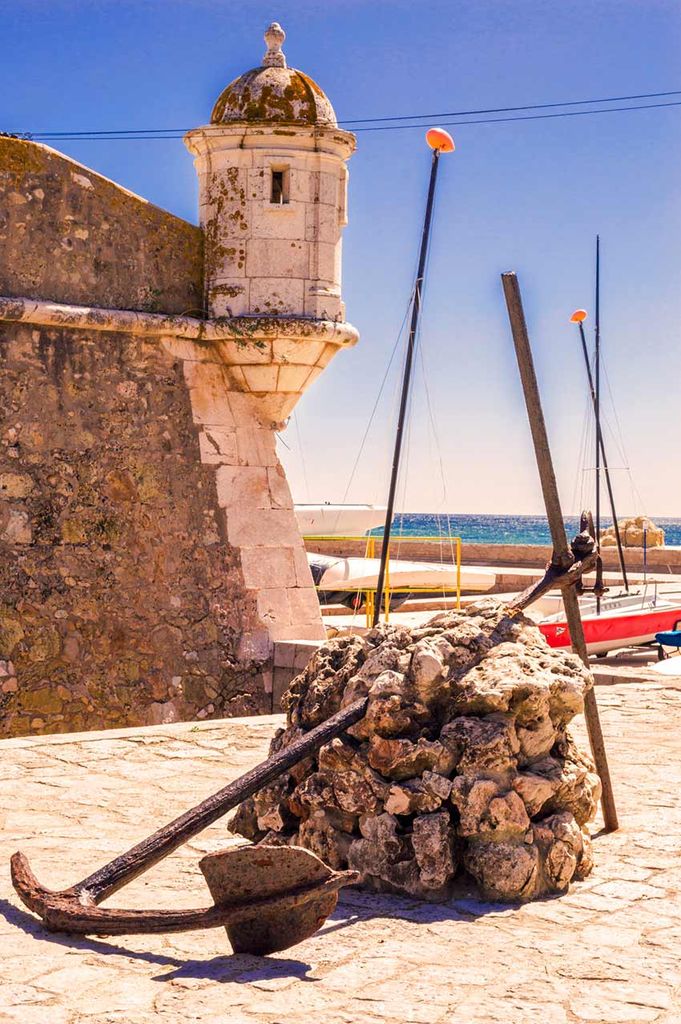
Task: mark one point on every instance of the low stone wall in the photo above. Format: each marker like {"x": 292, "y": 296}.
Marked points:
{"x": 531, "y": 556}
{"x": 149, "y": 552}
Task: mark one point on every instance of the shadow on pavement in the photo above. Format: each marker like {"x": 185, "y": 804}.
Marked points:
{"x": 239, "y": 967}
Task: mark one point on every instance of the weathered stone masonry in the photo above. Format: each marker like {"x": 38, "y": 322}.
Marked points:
{"x": 70, "y": 235}
{"x": 122, "y": 600}
{"x": 149, "y": 554}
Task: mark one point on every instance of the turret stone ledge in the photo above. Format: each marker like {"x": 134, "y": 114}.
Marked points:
{"x": 272, "y": 359}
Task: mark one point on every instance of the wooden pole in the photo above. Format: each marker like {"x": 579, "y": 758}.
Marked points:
{"x": 562, "y": 556}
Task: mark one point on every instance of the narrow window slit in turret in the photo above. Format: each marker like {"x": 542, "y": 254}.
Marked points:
{"x": 279, "y": 189}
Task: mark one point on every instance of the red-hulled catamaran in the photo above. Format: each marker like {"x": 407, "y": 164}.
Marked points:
{"x": 624, "y": 620}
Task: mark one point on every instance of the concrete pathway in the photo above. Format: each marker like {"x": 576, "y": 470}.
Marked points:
{"x": 606, "y": 952}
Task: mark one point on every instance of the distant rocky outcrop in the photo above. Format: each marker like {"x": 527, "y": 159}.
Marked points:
{"x": 631, "y": 532}
{"x": 463, "y": 760}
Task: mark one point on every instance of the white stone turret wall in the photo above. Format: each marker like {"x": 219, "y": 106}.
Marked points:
{"x": 272, "y": 275}
{"x": 254, "y": 498}
{"x": 264, "y": 258}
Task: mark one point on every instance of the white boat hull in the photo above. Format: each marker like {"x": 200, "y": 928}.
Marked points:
{"x": 339, "y": 520}
{"x": 354, "y": 574}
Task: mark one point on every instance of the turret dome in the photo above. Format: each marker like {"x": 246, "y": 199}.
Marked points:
{"x": 274, "y": 92}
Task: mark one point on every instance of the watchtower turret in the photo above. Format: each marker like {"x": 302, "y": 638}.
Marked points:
{"x": 273, "y": 201}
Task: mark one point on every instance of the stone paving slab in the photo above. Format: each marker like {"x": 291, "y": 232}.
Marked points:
{"x": 606, "y": 952}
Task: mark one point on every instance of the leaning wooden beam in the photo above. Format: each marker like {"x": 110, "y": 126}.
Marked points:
{"x": 562, "y": 556}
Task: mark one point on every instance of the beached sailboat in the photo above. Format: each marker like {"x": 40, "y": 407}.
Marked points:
{"x": 621, "y": 618}
{"x": 346, "y": 580}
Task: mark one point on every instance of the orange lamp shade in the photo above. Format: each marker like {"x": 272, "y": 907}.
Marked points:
{"x": 579, "y": 316}
{"x": 438, "y": 138}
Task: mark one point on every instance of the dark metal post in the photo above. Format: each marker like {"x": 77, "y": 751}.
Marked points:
{"x": 606, "y": 470}
{"x": 406, "y": 383}
{"x": 561, "y": 552}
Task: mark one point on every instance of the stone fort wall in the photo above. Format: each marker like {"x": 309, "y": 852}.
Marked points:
{"x": 121, "y": 601}
{"x": 71, "y": 235}
{"x": 149, "y": 556}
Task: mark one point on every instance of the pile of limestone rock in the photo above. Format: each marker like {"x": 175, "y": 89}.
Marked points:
{"x": 463, "y": 760}
{"x": 634, "y": 533}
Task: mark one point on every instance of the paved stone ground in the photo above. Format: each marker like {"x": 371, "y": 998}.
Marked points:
{"x": 606, "y": 952}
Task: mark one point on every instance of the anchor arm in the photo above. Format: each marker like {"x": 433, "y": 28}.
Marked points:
{"x": 553, "y": 578}
{"x": 67, "y": 911}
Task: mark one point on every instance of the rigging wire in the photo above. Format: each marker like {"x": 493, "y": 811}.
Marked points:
{"x": 301, "y": 454}
{"x": 434, "y": 437}
{"x": 616, "y": 434}
{"x": 578, "y": 493}
{"x": 404, "y": 467}
{"x": 401, "y": 496}
{"x": 435, "y": 434}
{"x": 636, "y": 496}
{"x": 378, "y": 398}
{"x": 426, "y": 389}
{"x": 433, "y": 424}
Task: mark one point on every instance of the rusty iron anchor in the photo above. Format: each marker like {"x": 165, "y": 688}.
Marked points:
{"x": 268, "y": 897}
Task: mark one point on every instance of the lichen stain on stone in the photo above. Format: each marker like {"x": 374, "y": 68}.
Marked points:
{"x": 18, "y": 158}
{"x": 56, "y": 351}
{"x": 230, "y": 291}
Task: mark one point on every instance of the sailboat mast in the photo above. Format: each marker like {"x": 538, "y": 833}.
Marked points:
{"x": 597, "y": 402}
{"x": 606, "y": 468}
{"x": 440, "y": 141}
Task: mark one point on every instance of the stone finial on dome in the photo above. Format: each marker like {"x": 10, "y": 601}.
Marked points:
{"x": 274, "y": 92}
{"x": 274, "y": 37}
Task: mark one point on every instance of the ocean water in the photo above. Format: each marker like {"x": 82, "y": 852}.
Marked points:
{"x": 482, "y": 529}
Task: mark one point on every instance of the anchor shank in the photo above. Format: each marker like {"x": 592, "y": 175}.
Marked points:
{"x": 123, "y": 869}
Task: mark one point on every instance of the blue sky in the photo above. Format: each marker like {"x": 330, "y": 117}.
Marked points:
{"x": 528, "y": 196}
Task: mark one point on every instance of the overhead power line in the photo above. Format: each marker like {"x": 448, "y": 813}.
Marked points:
{"x": 528, "y": 117}
{"x": 528, "y": 106}
{"x": 397, "y": 122}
